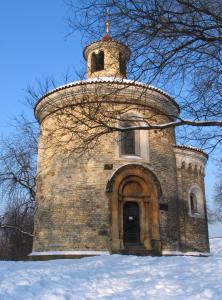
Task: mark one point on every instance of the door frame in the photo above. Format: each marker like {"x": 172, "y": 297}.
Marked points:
{"x": 148, "y": 203}
{"x": 139, "y": 222}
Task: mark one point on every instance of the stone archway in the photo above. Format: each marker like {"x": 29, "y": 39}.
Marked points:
{"x": 136, "y": 184}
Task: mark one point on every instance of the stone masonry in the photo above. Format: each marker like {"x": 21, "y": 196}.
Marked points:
{"x": 82, "y": 200}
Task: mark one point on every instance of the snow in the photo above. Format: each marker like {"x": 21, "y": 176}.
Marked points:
{"x": 189, "y": 253}
{"x": 115, "y": 277}
{"x": 110, "y": 80}
{"x": 74, "y": 252}
{"x": 90, "y": 253}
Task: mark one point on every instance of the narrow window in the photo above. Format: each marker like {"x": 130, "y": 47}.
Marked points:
{"x": 193, "y": 203}
{"x": 93, "y": 62}
{"x": 100, "y": 61}
{"x": 129, "y": 141}
{"x": 97, "y": 62}
{"x": 122, "y": 64}
{"x": 163, "y": 206}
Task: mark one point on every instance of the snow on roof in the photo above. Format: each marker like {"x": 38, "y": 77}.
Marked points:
{"x": 113, "y": 80}
{"x": 109, "y": 80}
{"x": 191, "y": 148}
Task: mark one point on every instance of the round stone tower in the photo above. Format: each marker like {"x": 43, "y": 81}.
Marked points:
{"x": 128, "y": 196}
{"x": 106, "y": 58}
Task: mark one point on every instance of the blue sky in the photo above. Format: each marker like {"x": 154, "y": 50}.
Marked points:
{"x": 34, "y": 45}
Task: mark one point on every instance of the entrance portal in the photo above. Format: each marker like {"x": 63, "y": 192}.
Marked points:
{"x": 131, "y": 223}
{"x": 133, "y": 191}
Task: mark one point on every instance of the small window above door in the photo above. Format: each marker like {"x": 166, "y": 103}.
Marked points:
{"x": 129, "y": 140}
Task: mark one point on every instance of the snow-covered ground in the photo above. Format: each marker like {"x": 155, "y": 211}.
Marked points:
{"x": 115, "y": 277}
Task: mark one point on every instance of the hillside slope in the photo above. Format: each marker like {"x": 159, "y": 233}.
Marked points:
{"x": 115, "y": 277}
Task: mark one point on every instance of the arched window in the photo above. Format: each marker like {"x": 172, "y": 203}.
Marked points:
{"x": 129, "y": 140}
{"x": 122, "y": 64}
{"x": 97, "y": 61}
{"x": 93, "y": 62}
{"x": 193, "y": 203}
{"x": 196, "y": 202}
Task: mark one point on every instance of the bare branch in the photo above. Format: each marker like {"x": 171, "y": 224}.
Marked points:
{"x": 16, "y": 228}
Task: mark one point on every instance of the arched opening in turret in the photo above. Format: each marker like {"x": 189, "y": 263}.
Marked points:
{"x": 97, "y": 62}
{"x": 122, "y": 64}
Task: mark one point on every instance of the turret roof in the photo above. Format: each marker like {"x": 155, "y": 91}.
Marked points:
{"x": 106, "y": 38}
{"x": 191, "y": 148}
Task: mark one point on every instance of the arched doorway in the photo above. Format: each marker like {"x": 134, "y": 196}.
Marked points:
{"x": 134, "y": 191}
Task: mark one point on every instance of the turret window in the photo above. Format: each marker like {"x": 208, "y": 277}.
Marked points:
{"x": 97, "y": 61}
{"x": 122, "y": 64}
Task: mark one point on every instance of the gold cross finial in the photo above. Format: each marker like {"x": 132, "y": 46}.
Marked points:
{"x": 107, "y": 24}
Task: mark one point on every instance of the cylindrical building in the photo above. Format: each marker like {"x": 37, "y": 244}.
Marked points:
{"x": 137, "y": 192}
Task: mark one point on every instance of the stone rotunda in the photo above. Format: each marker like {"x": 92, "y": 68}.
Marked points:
{"x": 138, "y": 193}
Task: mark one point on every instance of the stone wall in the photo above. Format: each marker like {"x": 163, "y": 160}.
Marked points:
{"x": 111, "y": 51}
{"x": 73, "y": 209}
{"x": 193, "y": 228}
{"x": 163, "y": 161}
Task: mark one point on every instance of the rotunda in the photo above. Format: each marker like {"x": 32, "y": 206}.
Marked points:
{"x": 138, "y": 192}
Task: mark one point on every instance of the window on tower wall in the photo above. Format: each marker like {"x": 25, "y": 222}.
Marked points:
{"x": 193, "y": 204}
{"x": 122, "y": 64}
{"x": 196, "y": 202}
{"x": 97, "y": 61}
{"x": 129, "y": 140}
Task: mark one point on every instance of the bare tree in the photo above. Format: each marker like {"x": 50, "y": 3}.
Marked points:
{"x": 96, "y": 109}
{"x": 175, "y": 44}
{"x": 16, "y": 226}
{"x": 17, "y": 186}
{"x": 217, "y": 203}
{"x": 18, "y": 161}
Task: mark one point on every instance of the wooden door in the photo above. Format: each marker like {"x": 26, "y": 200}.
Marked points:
{"x": 131, "y": 223}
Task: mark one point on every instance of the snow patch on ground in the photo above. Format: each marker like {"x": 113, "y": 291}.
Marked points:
{"x": 115, "y": 277}
{"x": 74, "y": 252}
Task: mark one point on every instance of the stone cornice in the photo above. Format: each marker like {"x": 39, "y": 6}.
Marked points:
{"x": 125, "y": 89}
{"x": 191, "y": 148}
{"x": 190, "y": 158}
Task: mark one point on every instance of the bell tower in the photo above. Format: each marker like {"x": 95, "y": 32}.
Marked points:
{"x": 106, "y": 57}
